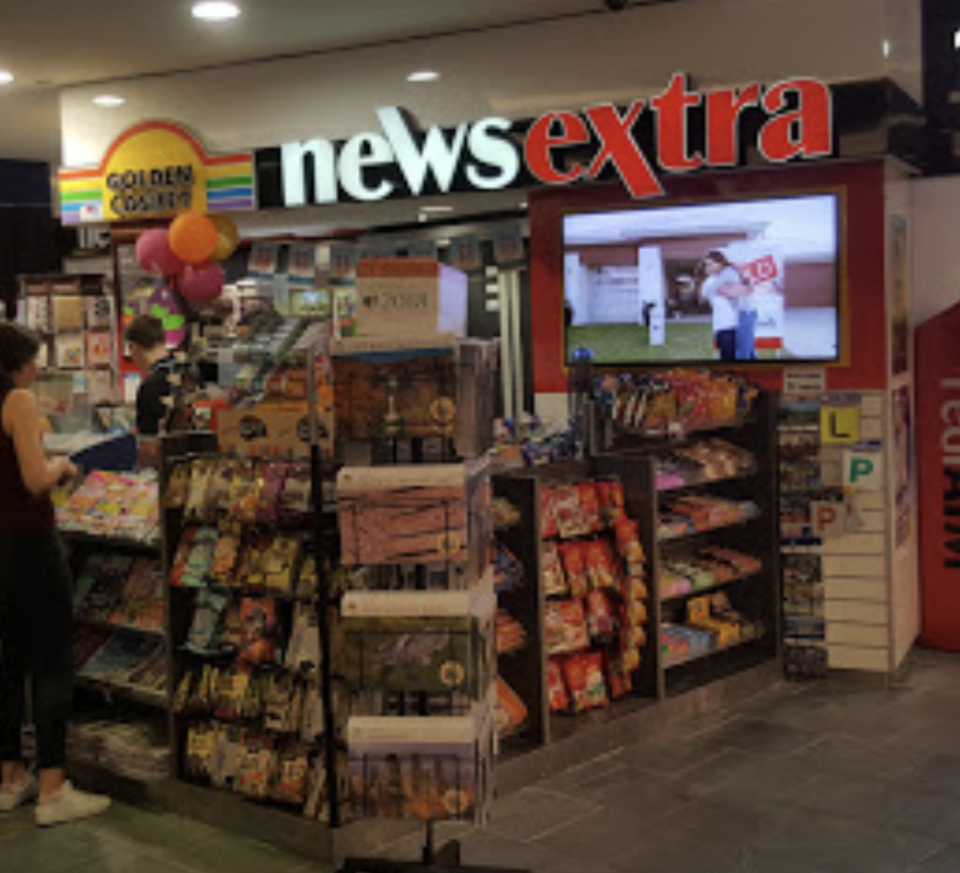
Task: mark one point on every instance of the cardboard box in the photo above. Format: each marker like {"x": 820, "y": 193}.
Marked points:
{"x": 385, "y": 392}
{"x": 410, "y": 297}
{"x": 271, "y": 430}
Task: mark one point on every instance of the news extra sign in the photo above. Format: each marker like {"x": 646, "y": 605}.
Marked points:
{"x": 678, "y": 131}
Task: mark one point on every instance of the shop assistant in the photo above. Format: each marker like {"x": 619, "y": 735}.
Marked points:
{"x": 148, "y": 349}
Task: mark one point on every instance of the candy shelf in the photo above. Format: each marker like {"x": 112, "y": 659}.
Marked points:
{"x": 674, "y": 663}
{"x": 719, "y": 586}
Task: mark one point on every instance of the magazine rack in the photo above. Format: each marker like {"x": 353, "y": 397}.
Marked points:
{"x": 412, "y": 783}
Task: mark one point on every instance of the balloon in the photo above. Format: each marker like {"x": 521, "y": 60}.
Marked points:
{"x": 154, "y": 254}
{"x": 165, "y": 305}
{"x": 202, "y": 285}
{"x": 228, "y": 237}
{"x": 193, "y": 238}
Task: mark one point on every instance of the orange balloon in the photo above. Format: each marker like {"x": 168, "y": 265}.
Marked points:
{"x": 193, "y": 238}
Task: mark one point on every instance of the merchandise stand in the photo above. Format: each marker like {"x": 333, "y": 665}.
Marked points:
{"x": 754, "y": 591}
{"x": 433, "y": 859}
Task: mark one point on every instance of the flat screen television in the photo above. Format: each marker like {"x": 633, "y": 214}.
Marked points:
{"x": 728, "y": 282}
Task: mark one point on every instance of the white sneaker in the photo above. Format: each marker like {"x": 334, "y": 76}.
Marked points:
{"x": 70, "y": 805}
{"x": 13, "y": 798}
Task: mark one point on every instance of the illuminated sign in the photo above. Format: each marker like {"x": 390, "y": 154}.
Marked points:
{"x": 155, "y": 170}
{"x": 793, "y": 120}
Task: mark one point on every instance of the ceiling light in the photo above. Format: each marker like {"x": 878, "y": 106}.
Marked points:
{"x": 523, "y": 205}
{"x": 886, "y": 48}
{"x": 423, "y": 76}
{"x": 6, "y": 77}
{"x": 215, "y": 10}
{"x": 956, "y": 39}
{"x": 109, "y": 100}
{"x": 436, "y": 208}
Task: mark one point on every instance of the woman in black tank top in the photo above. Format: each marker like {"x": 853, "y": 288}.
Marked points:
{"x": 35, "y": 599}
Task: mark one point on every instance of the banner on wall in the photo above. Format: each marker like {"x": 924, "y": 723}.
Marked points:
{"x": 157, "y": 170}
{"x": 938, "y": 454}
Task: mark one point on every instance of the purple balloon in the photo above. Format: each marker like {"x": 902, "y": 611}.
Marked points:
{"x": 202, "y": 285}
{"x": 154, "y": 255}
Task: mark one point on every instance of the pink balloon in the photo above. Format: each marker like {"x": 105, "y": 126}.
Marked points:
{"x": 154, "y": 254}
{"x": 202, "y": 285}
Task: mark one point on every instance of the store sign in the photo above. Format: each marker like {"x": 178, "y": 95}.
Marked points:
{"x": 559, "y": 148}
{"x": 863, "y": 471}
{"x": 839, "y": 425}
{"x": 156, "y": 170}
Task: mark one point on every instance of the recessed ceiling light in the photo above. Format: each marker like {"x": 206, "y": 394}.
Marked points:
{"x": 423, "y": 76}
{"x": 886, "y": 48}
{"x": 523, "y": 205}
{"x": 109, "y": 100}
{"x": 437, "y": 208}
{"x": 215, "y": 10}
{"x": 6, "y": 77}
{"x": 956, "y": 39}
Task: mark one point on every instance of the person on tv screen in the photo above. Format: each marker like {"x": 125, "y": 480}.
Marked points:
{"x": 734, "y": 312}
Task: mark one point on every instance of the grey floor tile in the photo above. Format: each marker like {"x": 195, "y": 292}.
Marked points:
{"x": 645, "y": 795}
{"x": 236, "y": 855}
{"x": 861, "y": 758}
{"x": 886, "y": 850}
{"x": 569, "y": 780}
{"x": 534, "y": 811}
{"x": 63, "y": 849}
{"x": 932, "y": 814}
{"x": 743, "y": 778}
{"x": 496, "y": 851}
{"x": 867, "y": 800}
{"x": 940, "y": 772}
{"x": 763, "y": 737}
{"x": 151, "y": 831}
{"x": 945, "y": 860}
{"x": 670, "y": 758}
{"x": 604, "y": 837}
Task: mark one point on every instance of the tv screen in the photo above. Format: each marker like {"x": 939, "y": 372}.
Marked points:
{"x": 730, "y": 282}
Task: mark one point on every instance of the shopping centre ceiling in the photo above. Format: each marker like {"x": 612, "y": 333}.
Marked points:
{"x": 50, "y": 44}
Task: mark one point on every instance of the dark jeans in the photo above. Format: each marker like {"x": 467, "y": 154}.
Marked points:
{"x": 727, "y": 344}
{"x": 36, "y": 644}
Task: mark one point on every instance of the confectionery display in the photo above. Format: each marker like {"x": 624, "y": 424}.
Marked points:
{"x": 708, "y": 460}
{"x": 594, "y": 574}
{"x": 711, "y": 625}
{"x": 675, "y": 402}
{"x": 706, "y": 568}
{"x": 696, "y": 513}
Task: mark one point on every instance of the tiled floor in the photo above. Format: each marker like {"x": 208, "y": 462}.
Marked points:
{"x": 840, "y": 777}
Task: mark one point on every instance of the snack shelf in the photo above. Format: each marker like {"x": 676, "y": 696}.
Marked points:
{"x": 701, "y": 482}
{"x": 719, "y": 586}
{"x": 692, "y": 535}
{"x": 670, "y": 664}
{"x": 135, "y": 693}
{"x": 680, "y": 434}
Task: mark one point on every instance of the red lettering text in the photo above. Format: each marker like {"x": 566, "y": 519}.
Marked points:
{"x": 671, "y": 108}
{"x": 803, "y": 132}
{"x": 541, "y": 141}
{"x": 723, "y": 124}
{"x": 621, "y": 149}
